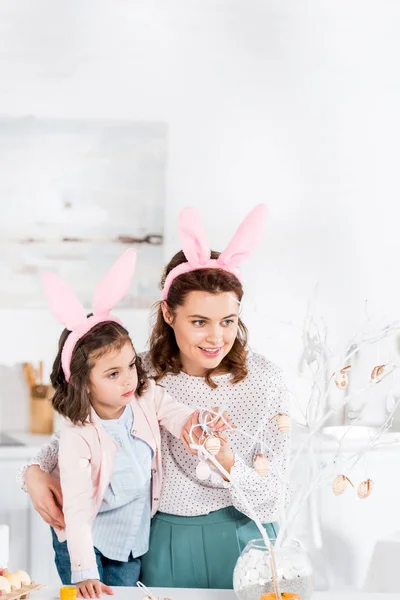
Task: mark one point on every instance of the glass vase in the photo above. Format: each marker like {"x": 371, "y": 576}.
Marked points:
{"x": 252, "y": 575}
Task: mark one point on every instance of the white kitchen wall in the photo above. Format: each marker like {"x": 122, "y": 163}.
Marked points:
{"x": 292, "y": 104}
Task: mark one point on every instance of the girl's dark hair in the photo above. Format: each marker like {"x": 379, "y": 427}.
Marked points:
{"x": 164, "y": 351}
{"x": 71, "y": 399}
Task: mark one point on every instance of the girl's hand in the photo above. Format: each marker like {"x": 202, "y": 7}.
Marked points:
{"x": 92, "y": 588}
{"x": 222, "y": 423}
{"x": 46, "y": 496}
{"x": 185, "y": 437}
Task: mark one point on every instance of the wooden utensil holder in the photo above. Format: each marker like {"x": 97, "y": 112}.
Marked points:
{"x": 41, "y": 409}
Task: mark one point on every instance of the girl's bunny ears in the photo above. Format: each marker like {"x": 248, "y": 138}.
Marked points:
{"x": 67, "y": 309}
{"x": 197, "y": 250}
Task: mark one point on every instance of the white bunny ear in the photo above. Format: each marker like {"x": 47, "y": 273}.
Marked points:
{"x": 194, "y": 238}
{"x": 63, "y": 302}
{"x": 115, "y": 283}
{"x": 246, "y": 238}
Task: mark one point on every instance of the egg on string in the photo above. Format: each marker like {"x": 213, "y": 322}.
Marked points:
{"x": 365, "y": 488}
{"x": 212, "y": 445}
{"x": 284, "y": 422}
{"x": 261, "y": 465}
{"x": 203, "y": 470}
{"x": 377, "y": 372}
{"x": 340, "y": 484}
{"x": 341, "y": 378}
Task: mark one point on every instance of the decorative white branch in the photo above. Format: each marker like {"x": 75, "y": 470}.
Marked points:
{"x": 316, "y": 413}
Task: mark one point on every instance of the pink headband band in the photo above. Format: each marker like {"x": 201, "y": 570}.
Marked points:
{"x": 197, "y": 250}
{"x": 67, "y": 309}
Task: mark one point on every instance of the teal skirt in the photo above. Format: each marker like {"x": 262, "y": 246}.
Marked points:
{"x": 198, "y": 552}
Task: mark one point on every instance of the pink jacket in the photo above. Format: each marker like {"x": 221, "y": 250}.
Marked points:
{"x": 86, "y": 460}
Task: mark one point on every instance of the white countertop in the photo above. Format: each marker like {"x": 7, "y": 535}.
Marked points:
{"x": 31, "y": 444}
{"x": 130, "y": 593}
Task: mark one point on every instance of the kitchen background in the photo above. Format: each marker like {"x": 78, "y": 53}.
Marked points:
{"x": 117, "y": 115}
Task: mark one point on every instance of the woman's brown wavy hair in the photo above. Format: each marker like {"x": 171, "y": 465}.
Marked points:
{"x": 164, "y": 351}
{"x": 71, "y": 399}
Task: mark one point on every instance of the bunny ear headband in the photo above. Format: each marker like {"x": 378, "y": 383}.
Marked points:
{"x": 67, "y": 309}
{"x": 197, "y": 250}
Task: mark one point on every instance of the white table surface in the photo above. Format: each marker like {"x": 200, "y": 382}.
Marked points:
{"x": 130, "y": 593}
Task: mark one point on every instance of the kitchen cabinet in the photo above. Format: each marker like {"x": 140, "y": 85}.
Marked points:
{"x": 30, "y": 538}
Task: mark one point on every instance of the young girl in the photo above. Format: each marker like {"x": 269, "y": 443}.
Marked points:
{"x": 199, "y": 353}
{"x": 109, "y": 457}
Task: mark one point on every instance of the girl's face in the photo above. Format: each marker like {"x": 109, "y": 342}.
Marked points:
{"x": 113, "y": 382}
{"x": 205, "y": 329}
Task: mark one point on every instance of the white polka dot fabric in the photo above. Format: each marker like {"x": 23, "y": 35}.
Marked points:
{"x": 250, "y": 404}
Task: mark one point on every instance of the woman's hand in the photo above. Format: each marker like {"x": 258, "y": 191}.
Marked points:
{"x": 46, "y": 495}
{"x": 92, "y": 588}
{"x": 185, "y": 433}
{"x": 222, "y": 423}
{"x": 225, "y": 456}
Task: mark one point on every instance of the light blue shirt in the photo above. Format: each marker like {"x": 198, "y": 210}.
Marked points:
{"x": 122, "y": 525}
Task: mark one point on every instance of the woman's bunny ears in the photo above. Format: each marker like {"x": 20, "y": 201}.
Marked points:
{"x": 197, "y": 250}
{"x": 68, "y": 310}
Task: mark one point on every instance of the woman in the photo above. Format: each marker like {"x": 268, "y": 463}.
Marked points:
{"x": 198, "y": 351}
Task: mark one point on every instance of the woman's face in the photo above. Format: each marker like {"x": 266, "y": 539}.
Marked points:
{"x": 205, "y": 329}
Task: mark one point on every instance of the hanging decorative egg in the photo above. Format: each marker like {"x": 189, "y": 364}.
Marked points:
{"x": 203, "y": 471}
{"x": 342, "y": 378}
{"x": 284, "y": 423}
{"x": 212, "y": 445}
{"x": 377, "y": 371}
{"x": 365, "y": 488}
{"x": 261, "y": 465}
{"x": 340, "y": 484}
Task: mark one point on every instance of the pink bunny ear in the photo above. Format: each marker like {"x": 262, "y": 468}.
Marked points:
{"x": 64, "y": 305}
{"x": 193, "y": 236}
{"x": 115, "y": 283}
{"x": 246, "y": 238}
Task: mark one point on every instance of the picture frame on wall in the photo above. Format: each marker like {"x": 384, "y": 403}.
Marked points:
{"x": 76, "y": 194}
